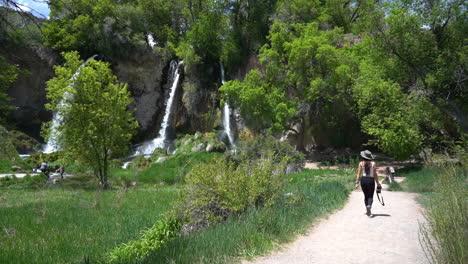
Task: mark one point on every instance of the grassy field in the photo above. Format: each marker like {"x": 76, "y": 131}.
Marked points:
{"x": 73, "y": 222}
{"x": 57, "y": 225}
{"x": 308, "y": 196}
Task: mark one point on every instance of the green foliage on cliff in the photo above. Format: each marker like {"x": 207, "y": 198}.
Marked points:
{"x": 96, "y": 124}
{"x": 349, "y": 61}
{"x": 8, "y": 74}
{"x": 385, "y": 67}
{"x": 18, "y": 27}
{"x": 8, "y": 154}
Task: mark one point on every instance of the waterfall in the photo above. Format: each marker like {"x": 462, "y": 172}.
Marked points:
{"x": 52, "y": 145}
{"x": 150, "y": 39}
{"x": 227, "y": 113}
{"x": 160, "y": 141}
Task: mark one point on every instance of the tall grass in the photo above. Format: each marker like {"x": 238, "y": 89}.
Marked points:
{"x": 54, "y": 225}
{"x": 445, "y": 235}
{"x": 308, "y": 196}
{"x": 419, "y": 180}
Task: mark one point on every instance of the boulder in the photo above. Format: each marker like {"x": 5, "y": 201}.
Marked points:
{"x": 198, "y": 147}
{"x": 215, "y": 147}
{"x": 197, "y": 135}
{"x": 16, "y": 168}
{"x": 171, "y": 149}
{"x": 161, "y": 159}
{"x": 24, "y": 143}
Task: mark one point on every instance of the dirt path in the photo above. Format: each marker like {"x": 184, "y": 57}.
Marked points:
{"x": 349, "y": 236}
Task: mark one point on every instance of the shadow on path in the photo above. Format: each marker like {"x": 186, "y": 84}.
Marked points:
{"x": 374, "y": 215}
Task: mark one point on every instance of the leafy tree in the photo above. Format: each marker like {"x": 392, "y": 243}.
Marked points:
{"x": 261, "y": 104}
{"x": 203, "y": 43}
{"x": 96, "y": 122}
{"x": 8, "y": 74}
{"x": 107, "y": 27}
{"x": 304, "y": 69}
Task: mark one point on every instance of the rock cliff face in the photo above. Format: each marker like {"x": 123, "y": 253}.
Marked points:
{"x": 146, "y": 74}
{"x": 28, "y": 92}
{"x": 198, "y": 101}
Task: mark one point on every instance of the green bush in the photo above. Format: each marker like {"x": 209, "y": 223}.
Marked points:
{"x": 175, "y": 168}
{"x": 220, "y": 188}
{"x": 153, "y": 238}
{"x": 445, "y": 234}
{"x": 266, "y": 145}
{"x": 40, "y": 157}
{"x": 141, "y": 163}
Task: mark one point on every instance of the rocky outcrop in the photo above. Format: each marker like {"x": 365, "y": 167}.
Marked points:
{"x": 145, "y": 71}
{"x": 7, "y": 151}
{"x": 28, "y": 91}
{"x": 197, "y": 107}
{"x": 312, "y": 133}
{"x": 23, "y": 143}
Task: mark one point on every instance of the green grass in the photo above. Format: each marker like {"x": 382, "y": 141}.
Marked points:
{"x": 63, "y": 225}
{"x": 308, "y": 196}
{"x": 5, "y": 165}
{"x": 395, "y": 187}
{"x": 171, "y": 171}
{"x": 419, "y": 180}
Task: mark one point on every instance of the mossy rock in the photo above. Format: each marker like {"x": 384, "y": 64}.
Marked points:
{"x": 9, "y": 157}
{"x": 24, "y": 143}
{"x": 141, "y": 163}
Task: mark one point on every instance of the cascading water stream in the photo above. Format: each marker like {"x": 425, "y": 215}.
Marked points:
{"x": 52, "y": 145}
{"x": 227, "y": 113}
{"x": 160, "y": 141}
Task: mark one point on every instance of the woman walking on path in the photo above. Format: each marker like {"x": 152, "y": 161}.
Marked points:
{"x": 367, "y": 174}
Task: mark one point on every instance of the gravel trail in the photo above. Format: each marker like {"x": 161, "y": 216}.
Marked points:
{"x": 349, "y": 236}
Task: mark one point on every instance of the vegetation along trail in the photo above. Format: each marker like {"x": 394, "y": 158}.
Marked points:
{"x": 349, "y": 236}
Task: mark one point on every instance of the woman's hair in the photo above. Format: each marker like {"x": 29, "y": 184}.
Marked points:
{"x": 367, "y": 166}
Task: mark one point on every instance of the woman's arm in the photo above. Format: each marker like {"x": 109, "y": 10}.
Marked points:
{"x": 358, "y": 176}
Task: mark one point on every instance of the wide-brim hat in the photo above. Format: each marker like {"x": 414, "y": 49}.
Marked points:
{"x": 366, "y": 154}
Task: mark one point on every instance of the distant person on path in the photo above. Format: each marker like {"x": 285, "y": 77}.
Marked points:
{"x": 367, "y": 175}
{"x": 61, "y": 170}
{"x": 36, "y": 168}
{"x": 44, "y": 169}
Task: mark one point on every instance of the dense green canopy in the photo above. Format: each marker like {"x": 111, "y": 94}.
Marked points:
{"x": 395, "y": 69}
